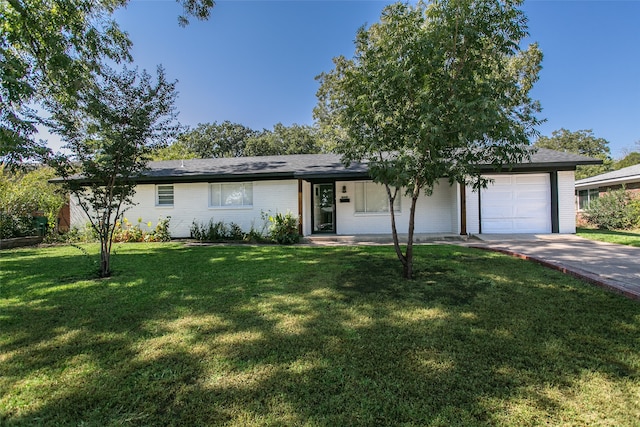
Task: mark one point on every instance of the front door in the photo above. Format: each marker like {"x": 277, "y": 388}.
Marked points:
{"x": 324, "y": 208}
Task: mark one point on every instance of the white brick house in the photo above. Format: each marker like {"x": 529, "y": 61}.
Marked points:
{"x": 532, "y": 197}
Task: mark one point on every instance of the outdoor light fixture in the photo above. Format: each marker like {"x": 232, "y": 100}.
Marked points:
{"x": 344, "y": 188}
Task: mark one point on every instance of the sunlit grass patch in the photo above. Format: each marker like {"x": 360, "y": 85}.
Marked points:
{"x": 630, "y": 237}
{"x": 266, "y": 335}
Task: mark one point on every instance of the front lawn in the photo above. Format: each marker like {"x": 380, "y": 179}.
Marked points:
{"x": 630, "y": 238}
{"x": 255, "y": 336}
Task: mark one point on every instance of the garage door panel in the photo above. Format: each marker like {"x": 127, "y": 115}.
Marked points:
{"x": 500, "y": 196}
{"x": 496, "y": 226}
{"x": 498, "y": 180}
{"x": 498, "y": 212}
{"x": 530, "y": 211}
{"x": 518, "y": 203}
{"x": 538, "y": 194}
{"x": 532, "y": 179}
{"x": 530, "y": 225}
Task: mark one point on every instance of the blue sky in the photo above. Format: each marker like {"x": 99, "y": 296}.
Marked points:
{"x": 254, "y": 62}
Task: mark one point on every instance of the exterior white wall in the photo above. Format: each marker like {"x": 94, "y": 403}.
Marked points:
{"x": 434, "y": 214}
{"x": 566, "y": 202}
{"x": 306, "y": 208}
{"x": 77, "y": 218}
{"x": 191, "y": 202}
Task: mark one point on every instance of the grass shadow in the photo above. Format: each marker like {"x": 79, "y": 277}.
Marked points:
{"x": 312, "y": 336}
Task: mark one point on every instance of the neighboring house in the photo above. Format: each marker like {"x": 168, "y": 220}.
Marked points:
{"x": 590, "y": 188}
{"x": 329, "y": 198}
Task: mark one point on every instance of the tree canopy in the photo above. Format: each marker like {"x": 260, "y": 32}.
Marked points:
{"x": 433, "y": 91}
{"x": 630, "y": 159}
{"x": 229, "y": 139}
{"x": 110, "y": 135}
{"x": 283, "y": 140}
{"x": 582, "y": 142}
{"x": 53, "y": 49}
{"x": 212, "y": 140}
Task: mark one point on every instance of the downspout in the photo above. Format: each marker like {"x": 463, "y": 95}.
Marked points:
{"x": 300, "y": 205}
{"x": 555, "y": 212}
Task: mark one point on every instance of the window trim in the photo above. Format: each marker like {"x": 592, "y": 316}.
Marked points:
{"x": 397, "y": 203}
{"x": 591, "y": 194}
{"x": 165, "y": 205}
{"x": 221, "y": 206}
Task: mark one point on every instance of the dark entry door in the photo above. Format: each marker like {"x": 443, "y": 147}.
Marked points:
{"x": 324, "y": 208}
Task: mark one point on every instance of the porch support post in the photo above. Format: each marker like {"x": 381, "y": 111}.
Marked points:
{"x": 555, "y": 212}
{"x": 300, "y": 200}
{"x": 463, "y": 209}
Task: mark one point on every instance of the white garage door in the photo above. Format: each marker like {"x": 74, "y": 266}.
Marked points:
{"x": 517, "y": 204}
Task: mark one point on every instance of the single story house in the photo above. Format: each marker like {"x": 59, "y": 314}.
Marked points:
{"x": 532, "y": 197}
{"x": 589, "y": 188}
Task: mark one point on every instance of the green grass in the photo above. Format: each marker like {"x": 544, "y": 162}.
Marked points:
{"x": 630, "y": 238}
{"x": 286, "y": 336}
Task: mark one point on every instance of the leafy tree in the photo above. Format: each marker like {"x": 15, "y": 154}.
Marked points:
{"x": 24, "y": 192}
{"x": 53, "y": 49}
{"x": 213, "y": 140}
{"x": 110, "y": 135}
{"x": 175, "y": 151}
{"x": 630, "y": 159}
{"x": 433, "y": 91}
{"x": 581, "y": 142}
{"x": 283, "y": 140}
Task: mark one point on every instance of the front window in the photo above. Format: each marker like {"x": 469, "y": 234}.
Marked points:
{"x": 232, "y": 194}
{"x": 586, "y": 196}
{"x": 164, "y": 195}
{"x": 372, "y": 198}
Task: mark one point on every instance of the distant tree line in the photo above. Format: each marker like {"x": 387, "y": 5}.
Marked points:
{"x": 227, "y": 139}
{"x": 584, "y": 142}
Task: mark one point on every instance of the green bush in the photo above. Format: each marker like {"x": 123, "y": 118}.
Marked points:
{"x": 126, "y": 231}
{"x": 284, "y": 228}
{"x": 12, "y": 225}
{"x": 210, "y": 232}
{"x": 161, "y": 233}
{"x": 22, "y": 193}
{"x": 86, "y": 234}
{"x": 614, "y": 210}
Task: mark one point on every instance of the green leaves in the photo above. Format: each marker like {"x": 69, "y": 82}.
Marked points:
{"x": 110, "y": 134}
{"x": 433, "y": 91}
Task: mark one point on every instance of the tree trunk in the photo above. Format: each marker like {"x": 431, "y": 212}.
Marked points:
{"x": 408, "y": 264}
{"x": 105, "y": 257}
{"x": 394, "y": 230}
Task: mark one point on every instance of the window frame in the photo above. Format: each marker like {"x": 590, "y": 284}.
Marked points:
{"x": 397, "y": 203}
{"x": 585, "y": 197}
{"x": 161, "y": 204}
{"x": 220, "y": 192}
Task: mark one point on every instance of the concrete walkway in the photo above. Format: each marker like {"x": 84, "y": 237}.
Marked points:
{"x": 614, "y": 267}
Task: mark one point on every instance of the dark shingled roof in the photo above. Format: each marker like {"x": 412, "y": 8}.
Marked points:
{"x": 307, "y": 166}
{"x": 310, "y": 167}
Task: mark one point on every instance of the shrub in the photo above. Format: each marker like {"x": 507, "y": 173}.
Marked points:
{"x": 614, "y": 210}
{"x": 86, "y": 234}
{"x": 12, "y": 225}
{"x": 128, "y": 232}
{"x": 161, "y": 233}
{"x": 211, "y": 231}
{"x": 24, "y": 192}
{"x": 284, "y": 228}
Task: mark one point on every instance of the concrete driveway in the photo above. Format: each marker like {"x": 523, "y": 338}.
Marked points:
{"x": 616, "y": 267}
